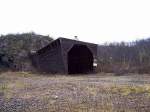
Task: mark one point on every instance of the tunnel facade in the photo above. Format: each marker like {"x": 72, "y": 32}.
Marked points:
{"x": 66, "y": 56}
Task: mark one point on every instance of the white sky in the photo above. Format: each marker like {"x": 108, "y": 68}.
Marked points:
{"x": 91, "y": 20}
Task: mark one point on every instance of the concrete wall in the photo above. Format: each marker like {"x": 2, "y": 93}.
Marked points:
{"x": 67, "y": 44}
{"x": 50, "y": 60}
{"x": 54, "y": 57}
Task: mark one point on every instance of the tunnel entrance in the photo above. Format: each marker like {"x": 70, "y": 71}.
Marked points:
{"x": 80, "y": 59}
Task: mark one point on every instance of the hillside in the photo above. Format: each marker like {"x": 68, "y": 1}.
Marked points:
{"x": 15, "y": 49}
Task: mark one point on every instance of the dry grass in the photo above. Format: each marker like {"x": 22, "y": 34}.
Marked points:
{"x": 25, "y": 92}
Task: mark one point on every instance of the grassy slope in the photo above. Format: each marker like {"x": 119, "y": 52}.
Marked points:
{"x": 27, "y": 92}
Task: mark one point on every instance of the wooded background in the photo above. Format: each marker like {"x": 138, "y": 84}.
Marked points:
{"x": 119, "y": 58}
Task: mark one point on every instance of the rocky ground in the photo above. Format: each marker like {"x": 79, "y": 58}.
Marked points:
{"x": 25, "y": 92}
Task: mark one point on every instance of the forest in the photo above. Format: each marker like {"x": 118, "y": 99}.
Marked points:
{"x": 15, "y": 50}
{"x": 119, "y": 58}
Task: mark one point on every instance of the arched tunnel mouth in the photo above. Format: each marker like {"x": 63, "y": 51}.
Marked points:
{"x": 80, "y": 59}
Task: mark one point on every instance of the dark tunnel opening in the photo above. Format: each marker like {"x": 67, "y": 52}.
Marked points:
{"x": 80, "y": 60}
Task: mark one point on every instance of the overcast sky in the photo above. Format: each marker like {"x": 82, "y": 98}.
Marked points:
{"x": 91, "y": 20}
